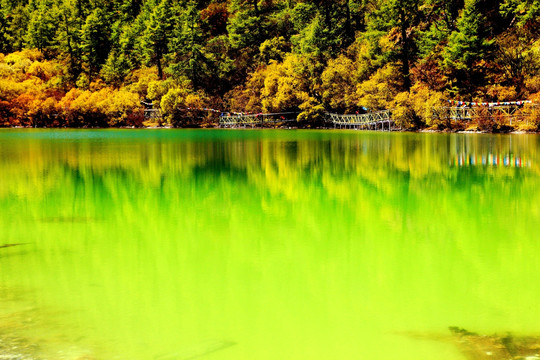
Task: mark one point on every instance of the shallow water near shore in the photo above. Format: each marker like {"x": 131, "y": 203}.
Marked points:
{"x": 251, "y": 244}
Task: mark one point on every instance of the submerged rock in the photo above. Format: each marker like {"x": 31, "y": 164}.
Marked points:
{"x": 496, "y": 347}
{"x": 198, "y": 350}
{"x": 15, "y": 349}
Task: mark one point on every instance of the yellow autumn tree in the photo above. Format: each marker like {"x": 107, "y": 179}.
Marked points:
{"x": 181, "y": 106}
{"x": 338, "y": 88}
{"x": 378, "y": 92}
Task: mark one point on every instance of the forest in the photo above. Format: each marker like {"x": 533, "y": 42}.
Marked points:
{"x": 94, "y": 63}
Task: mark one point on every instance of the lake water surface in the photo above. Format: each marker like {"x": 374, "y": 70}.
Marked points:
{"x": 231, "y": 244}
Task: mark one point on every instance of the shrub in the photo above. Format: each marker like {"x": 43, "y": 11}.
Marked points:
{"x": 403, "y": 112}
{"x": 424, "y": 101}
{"x": 42, "y": 70}
{"x": 105, "y": 107}
{"x": 182, "y": 107}
{"x": 484, "y": 120}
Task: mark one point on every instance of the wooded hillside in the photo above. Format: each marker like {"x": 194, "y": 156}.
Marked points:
{"x": 90, "y": 62}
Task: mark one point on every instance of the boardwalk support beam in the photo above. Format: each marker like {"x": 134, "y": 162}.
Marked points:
{"x": 370, "y": 121}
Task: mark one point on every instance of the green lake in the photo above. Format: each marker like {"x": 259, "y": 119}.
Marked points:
{"x": 266, "y": 244}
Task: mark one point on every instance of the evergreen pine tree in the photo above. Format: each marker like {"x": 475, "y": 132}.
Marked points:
{"x": 189, "y": 48}
{"x": 158, "y": 34}
{"x": 42, "y": 27}
{"x": 96, "y": 42}
{"x": 468, "y": 49}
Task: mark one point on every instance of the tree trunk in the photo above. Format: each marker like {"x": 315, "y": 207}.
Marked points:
{"x": 348, "y": 27}
{"x": 159, "y": 67}
{"x": 70, "y": 49}
{"x": 405, "y": 71}
{"x": 328, "y": 15}
{"x": 80, "y": 10}
{"x": 256, "y": 7}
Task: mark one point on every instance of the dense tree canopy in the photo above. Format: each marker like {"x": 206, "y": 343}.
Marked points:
{"x": 309, "y": 56}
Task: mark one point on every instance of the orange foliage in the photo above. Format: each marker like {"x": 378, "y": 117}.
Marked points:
{"x": 105, "y": 107}
{"x": 429, "y": 72}
{"x": 502, "y": 93}
{"x": 215, "y": 18}
{"x": 30, "y": 96}
{"x": 6, "y": 114}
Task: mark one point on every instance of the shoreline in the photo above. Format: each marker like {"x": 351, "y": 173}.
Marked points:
{"x": 168, "y": 127}
{"x": 472, "y": 346}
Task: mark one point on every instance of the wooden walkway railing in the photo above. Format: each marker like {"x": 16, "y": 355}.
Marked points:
{"x": 498, "y": 113}
{"x": 152, "y": 114}
{"x": 252, "y": 120}
{"x": 380, "y": 120}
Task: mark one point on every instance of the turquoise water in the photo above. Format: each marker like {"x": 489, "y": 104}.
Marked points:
{"x": 231, "y": 244}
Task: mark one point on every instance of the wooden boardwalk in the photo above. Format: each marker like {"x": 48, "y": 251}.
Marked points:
{"x": 253, "y": 120}
{"x": 152, "y": 114}
{"x": 503, "y": 114}
{"x": 380, "y": 120}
